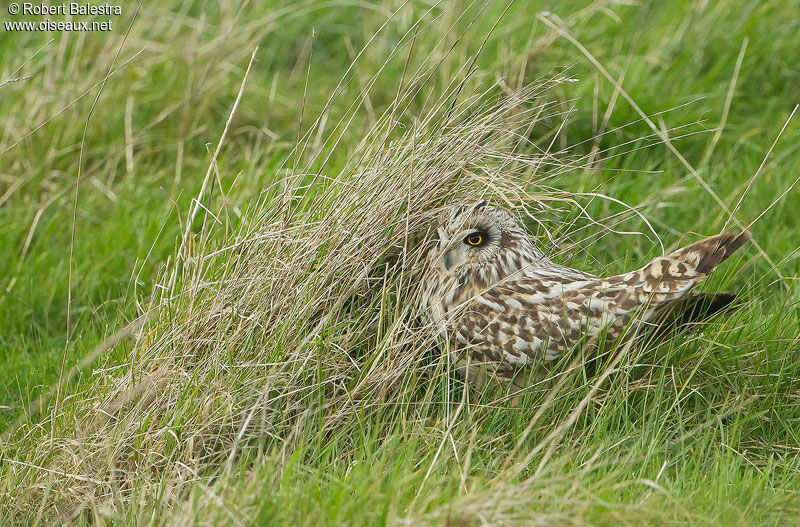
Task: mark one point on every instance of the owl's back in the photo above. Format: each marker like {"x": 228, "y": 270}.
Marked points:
{"x": 537, "y": 314}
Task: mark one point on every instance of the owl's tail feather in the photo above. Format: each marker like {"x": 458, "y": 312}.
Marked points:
{"x": 703, "y": 257}
{"x": 693, "y": 308}
{"x": 706, "y": 254}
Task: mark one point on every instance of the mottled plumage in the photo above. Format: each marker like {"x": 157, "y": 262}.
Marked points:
{"x": 505, "y": 307}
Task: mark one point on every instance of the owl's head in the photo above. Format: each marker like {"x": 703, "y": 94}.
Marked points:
{"x": 484, "y": 241}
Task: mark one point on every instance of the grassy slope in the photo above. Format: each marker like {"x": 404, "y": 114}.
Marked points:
{"x": 738, "y": 466}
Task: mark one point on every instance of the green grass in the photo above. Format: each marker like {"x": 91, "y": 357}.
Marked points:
{"x": 702, "y": 430}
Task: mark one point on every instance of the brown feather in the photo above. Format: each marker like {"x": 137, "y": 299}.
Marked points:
{"x": 706, "y": 254}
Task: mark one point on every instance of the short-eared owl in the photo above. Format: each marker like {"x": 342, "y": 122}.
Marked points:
{"x": 504, "y": 306}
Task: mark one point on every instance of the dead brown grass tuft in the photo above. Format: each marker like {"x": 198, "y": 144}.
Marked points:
{"x": 305, "y": 311}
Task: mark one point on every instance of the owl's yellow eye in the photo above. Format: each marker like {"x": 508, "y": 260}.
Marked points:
{"x": 475, "y": 239}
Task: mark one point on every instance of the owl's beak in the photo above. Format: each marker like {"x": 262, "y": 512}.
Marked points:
{"x": 445, "y": 259}
{"x": 447, "y": 262}
{"x": 442, "y": 247}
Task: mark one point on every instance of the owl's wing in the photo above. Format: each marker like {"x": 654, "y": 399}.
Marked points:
{"x": 540, "y": 315}
{"x": 538, "y": 318}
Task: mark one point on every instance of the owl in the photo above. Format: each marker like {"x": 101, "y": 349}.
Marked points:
{"x": 505, "y": 308}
